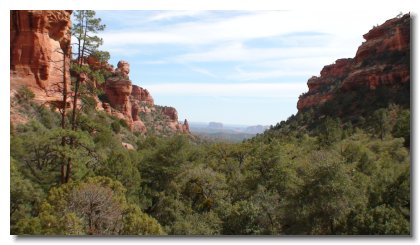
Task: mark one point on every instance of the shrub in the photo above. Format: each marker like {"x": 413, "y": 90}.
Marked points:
{"x": 24, "y": 94}
{"x": 116, "y": 127}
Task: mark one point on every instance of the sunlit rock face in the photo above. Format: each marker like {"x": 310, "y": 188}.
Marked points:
{"x": 382, "y": 60}
{"x": 40, "y": 55}
{"x": 39, "y": 42}
{"x": 126, "y": 101}
{"x": 142, "y": 95}
{"x": 172, "y": 119}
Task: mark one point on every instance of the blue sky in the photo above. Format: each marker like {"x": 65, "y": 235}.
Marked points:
{"x": 235, "y": 67}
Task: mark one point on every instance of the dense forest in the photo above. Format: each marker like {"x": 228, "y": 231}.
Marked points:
{"x": 329, "y": 169}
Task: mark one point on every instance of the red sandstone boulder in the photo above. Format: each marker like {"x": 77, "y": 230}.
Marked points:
{"x": 123, "y": 69}
{"x": 138, "y": 126}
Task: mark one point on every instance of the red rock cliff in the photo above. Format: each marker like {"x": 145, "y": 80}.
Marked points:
{"x": 142, "y": 95}
{"x": 172, "y": 115}
{"x": 126, "y": 101}
{"x": 38, "y": 41}
{"x": 382, "y": 60}
{"x": 118, "y": 90}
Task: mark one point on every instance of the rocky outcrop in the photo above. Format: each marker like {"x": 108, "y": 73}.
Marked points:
{"x": 39, "y": 42}
{"x": 170, "y": 112}
{"x": 142, "y": 95}
{"x": 382, "y": 60}
{"x": 186, "y": 126}
{"x": 40, "y": 56}
{"x": 95, "y": 64}
{"x": 173, "y": 123}
{"x": 118, "y": 91}
{"x": 128, "y": 101}
{"x": 393, "y": 35}
{"x": 123, "y": 69}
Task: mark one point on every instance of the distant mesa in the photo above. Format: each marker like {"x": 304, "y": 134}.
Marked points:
{"x": 215, "y": 125}
{"x": 258, "y": 129}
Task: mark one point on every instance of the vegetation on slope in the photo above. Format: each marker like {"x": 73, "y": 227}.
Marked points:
{"x": 340, "y": 168}
{"x": 333, "y": 179}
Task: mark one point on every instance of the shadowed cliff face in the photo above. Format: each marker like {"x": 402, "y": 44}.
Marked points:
{"x": 383, "y": 60}
{"x": 38, "y": 41}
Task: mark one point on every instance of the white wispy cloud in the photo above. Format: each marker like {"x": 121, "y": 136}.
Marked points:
{"x": 260, "y": 90}
{"x": 299, "y": 67}
{"x": 307, "y": 40}
{"x": 202, "y": 71}
{"x": 169, "y": 15}
{"x": 207, "y": 31}
{"x": 239, "y": 52}
{"x": 251, "y": 25}
{"x": 246, "y": 75}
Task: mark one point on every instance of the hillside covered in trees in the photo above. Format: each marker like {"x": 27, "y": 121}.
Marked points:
{"x": 340, "y": 166}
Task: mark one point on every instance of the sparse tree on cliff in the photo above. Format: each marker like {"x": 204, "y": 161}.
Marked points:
{"x": 62, "y": 66}
{"x": 84, "y": 29}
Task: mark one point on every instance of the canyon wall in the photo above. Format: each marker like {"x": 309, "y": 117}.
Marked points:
{"x": 40, "y": 56}
{"x": 382, "y": 60}
{"x": 39, "y": 52}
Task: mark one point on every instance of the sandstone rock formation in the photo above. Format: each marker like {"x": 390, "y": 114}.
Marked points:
{"x": 118, "y": 91}
{"x": 39, "y": 41}
{"x": 186, "y": 126}
{"x": 41, "y": 55}
{"x": 95, "y": 64}
{"x": 127, "y": 101}
{"x": 382, "y": 60}
{"x": 173, "y": 123}
{"x": 142, "y": 95}
{"x": 123, "y": 69}
{"x": 171, "y": 112}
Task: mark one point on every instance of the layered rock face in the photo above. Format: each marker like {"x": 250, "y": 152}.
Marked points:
{"x": 382, "y": 60}
{"x": 39, "y": 42}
